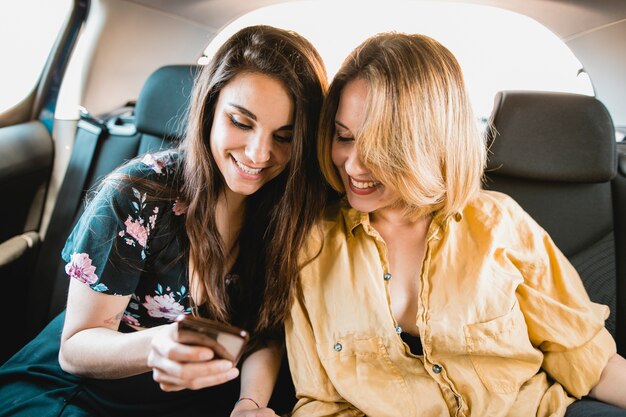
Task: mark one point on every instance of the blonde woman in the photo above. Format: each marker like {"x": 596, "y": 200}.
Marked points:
{"x": 428, "y": 296}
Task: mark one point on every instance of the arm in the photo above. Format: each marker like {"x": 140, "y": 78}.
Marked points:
{"x": 107, "y": 251}
{"x": 91, "y": 346}
{"x": 612, "y": 385}
{"x": 562, "y": 321}
{"x": 258, "y": 376}
{"x": 90, "y": 343}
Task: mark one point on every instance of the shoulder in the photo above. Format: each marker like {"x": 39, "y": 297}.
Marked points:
{"x": 152, "y": 166}
{"x": 155, "y": 173}
{"x": 326, "y": 238}
{"x": 497, "y": 214}
{"x": 325, "y": 225}
{"x": 493, "y": 206}
{"x": 148, "y": 179}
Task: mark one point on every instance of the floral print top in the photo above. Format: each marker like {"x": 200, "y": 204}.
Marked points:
{"x": 129, "y": 242}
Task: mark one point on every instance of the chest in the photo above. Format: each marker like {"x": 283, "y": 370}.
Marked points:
{"x": 369, "y": 288}
{"x": 405, "y": 255}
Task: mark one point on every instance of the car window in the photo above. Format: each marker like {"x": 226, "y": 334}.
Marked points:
{"x": 28, "y": 29}
{"x": 497, "y": 49}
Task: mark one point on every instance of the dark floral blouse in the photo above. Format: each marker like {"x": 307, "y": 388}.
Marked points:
{"x": 129, "y": 242}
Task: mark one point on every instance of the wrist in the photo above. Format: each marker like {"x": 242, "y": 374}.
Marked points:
{"x": 246, "y": 403}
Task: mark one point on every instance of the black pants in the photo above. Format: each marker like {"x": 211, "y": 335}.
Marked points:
{"x": 591, "y": 408}
{"x": 32, "y": 383}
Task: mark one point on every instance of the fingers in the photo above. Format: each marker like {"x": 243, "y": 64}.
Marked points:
{"x": 194, "y": 375}
{"x": 166, "y": 346}
{"x": 169, "y": 383}
{"x": 176, "y": 366}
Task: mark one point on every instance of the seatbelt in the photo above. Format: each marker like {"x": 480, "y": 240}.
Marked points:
{"x": 89, "y": 134}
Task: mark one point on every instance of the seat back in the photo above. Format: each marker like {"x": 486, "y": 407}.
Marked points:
{"x": 157, "y": 123}
{"x": 555, "y": 154}
{"x": 619, "y": 207}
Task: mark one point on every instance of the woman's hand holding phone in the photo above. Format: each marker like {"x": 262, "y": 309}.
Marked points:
{"x": 177, "y": 365}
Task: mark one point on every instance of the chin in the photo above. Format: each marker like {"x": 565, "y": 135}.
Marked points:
{"x": 242, "y": 189}
{"x": 359, "y": 204}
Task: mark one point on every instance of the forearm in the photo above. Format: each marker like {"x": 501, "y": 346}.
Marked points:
{"x": 259, "y": 372}
{"x": 107, "y": 354}
{"x": 612, "y": 385}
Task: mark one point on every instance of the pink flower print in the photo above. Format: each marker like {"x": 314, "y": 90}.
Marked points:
{"x": 157, "y": 165}
{"x": 128, "y": 319}
{"x": 163, "y": 306}
{"x": 79, "y": 267}
{"x": 137, "y": 231}
{"x": 179, "y": 208}
{"x": 152, "y": 219}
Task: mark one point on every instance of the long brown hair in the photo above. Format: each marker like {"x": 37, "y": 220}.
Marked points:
{"x": 280, "y": 214}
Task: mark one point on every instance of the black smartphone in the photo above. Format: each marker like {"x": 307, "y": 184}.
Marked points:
{"x": 225, "y": 340}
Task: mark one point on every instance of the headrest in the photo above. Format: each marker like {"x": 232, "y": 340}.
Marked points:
{"x": 162, "y": 103}
{"x": 552, "y": 137}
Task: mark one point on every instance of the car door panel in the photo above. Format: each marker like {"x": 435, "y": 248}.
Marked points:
{"x": 26, "y": 156}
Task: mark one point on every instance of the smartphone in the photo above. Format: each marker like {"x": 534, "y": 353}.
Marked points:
{"x": 225, "y": 340}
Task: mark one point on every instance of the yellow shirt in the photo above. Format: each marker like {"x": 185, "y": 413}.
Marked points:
{"x": 506, "y": 325}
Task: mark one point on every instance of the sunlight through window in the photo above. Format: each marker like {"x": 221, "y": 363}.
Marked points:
{"x": 497, "y": 49}
{"x": 28, "y": 30}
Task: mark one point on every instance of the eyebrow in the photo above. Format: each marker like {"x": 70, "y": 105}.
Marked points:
{"x": 337, "y": 122}
{"x": 245, "y": 111}
{"x": 251, "y": 115}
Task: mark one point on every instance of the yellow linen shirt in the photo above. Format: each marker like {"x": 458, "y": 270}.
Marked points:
{"x": 506, "y": 325}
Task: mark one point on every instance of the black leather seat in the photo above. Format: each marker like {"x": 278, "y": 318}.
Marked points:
{"x": 158, "y": 123}
{"x": 555, "y": 154}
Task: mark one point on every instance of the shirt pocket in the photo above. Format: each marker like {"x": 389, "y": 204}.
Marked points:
{"x": 501, "y": 352}
{"x": 363, "y": 373}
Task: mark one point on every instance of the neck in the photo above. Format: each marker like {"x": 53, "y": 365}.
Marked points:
{"x": 229, "y": 213}
{"x": 394, "y": 218}
{"x": 233, "y": 202}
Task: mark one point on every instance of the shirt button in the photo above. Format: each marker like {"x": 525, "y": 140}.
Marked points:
{"x": 338, "y": 347}
{"x": 437, "y": 369}
{"x": 387, "y": 276}
{"x": 398, "y": 329}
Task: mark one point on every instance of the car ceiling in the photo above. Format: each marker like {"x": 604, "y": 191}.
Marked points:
{"x": 594, "y": 31}
{"x": 567, "y": 18}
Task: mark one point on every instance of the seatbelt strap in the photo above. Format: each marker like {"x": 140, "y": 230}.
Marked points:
{"x": 89, "y": 134}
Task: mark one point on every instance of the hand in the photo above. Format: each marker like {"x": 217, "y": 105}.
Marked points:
{"x": 249, "y": 409}
{"x": 176, "y": 366}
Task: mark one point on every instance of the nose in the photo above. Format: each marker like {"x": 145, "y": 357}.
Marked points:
{"x": 259, "y": 148}
{"x": 354, "y": 165}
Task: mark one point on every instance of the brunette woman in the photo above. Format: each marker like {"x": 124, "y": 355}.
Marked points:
{"x": 212, "y": 228}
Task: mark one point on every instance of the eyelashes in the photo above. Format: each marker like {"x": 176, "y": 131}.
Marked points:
{"x": 340, "y": 138}
{"x": 238, "y": 124}
{"x": 242, "y": 126}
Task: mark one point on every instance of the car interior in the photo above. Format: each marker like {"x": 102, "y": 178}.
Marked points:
{"x": 561, "y": 155}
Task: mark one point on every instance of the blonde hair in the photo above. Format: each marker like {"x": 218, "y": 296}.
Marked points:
{"x": 420, "y": 136}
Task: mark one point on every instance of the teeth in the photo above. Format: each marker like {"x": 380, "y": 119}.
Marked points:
{"x": 364, "y": 185}
{"x": 247, "y": 169}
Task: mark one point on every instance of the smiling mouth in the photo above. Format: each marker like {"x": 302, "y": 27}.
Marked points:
{"x": 247, "y": 169}
{"x": 363, "y": 185}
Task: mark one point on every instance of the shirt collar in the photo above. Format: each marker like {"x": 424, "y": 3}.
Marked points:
{"x": 354, "y": 218}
